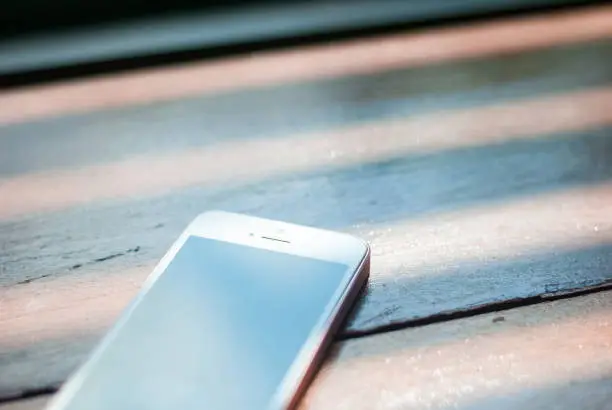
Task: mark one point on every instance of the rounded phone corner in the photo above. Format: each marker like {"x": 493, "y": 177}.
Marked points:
{"x": 211, "y": 215}
{"x": 364, "y": 244}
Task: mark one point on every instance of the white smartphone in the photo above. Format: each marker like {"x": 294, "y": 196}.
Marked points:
{"x": 235, "y": 316}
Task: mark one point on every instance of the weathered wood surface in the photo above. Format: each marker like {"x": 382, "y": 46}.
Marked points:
{"x": 552, "y": 355}
{"x": 478, "y": 181}
{"x": 307, "y": 63}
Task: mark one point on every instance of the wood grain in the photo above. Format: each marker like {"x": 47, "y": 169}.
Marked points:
{"x": 236, "y": 162}
{"x": 553, "y": 355}
{"x": 311, "y": 110}
{"x": 477, "y": 182}
{"x": 346, "y": 58}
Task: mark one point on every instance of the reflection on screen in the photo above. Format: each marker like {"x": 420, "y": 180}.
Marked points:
{"x": 217, "y": 331}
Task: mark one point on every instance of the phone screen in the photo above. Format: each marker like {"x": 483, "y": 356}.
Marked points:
{"x": 219, "y": 329}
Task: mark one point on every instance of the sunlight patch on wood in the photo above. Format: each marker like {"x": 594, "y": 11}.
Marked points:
{"x": 570, "y": 219}
{"x": 534, "y": 358}
{"x": 248, "y": 161}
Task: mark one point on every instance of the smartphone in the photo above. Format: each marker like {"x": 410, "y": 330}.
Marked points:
{"x": 235, "y": 316}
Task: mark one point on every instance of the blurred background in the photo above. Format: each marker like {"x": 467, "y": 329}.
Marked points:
{"x": 41, "y": 39}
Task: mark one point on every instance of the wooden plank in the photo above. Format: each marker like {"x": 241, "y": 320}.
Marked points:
{"x": 551, "y": 355}
{"x": 288, "y": 111}
{"x": 568, "y": 160}
{"x": 155, "y": 34}
{"x": 350, "y": 57}
{"x": 256, "y": 161}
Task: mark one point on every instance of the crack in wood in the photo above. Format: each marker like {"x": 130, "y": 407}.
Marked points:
{"x": 106, "y": 258}
{"x": 29, "y": 280}
{"x": 477, "y": 310}
{"x": 438, "y": 318}
{"x": 29, "y": 393}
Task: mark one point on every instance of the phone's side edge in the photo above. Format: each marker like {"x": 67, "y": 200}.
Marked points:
{"x": 338, "y": 317}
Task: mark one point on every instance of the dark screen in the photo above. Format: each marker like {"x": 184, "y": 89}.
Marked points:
{"x": 219, "y": 329}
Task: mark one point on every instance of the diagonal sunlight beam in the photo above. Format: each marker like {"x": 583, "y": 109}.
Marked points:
{"x": 237, "y": 162}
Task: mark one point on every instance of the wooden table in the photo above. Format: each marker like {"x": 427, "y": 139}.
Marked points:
{"x": 476, "y": 159}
